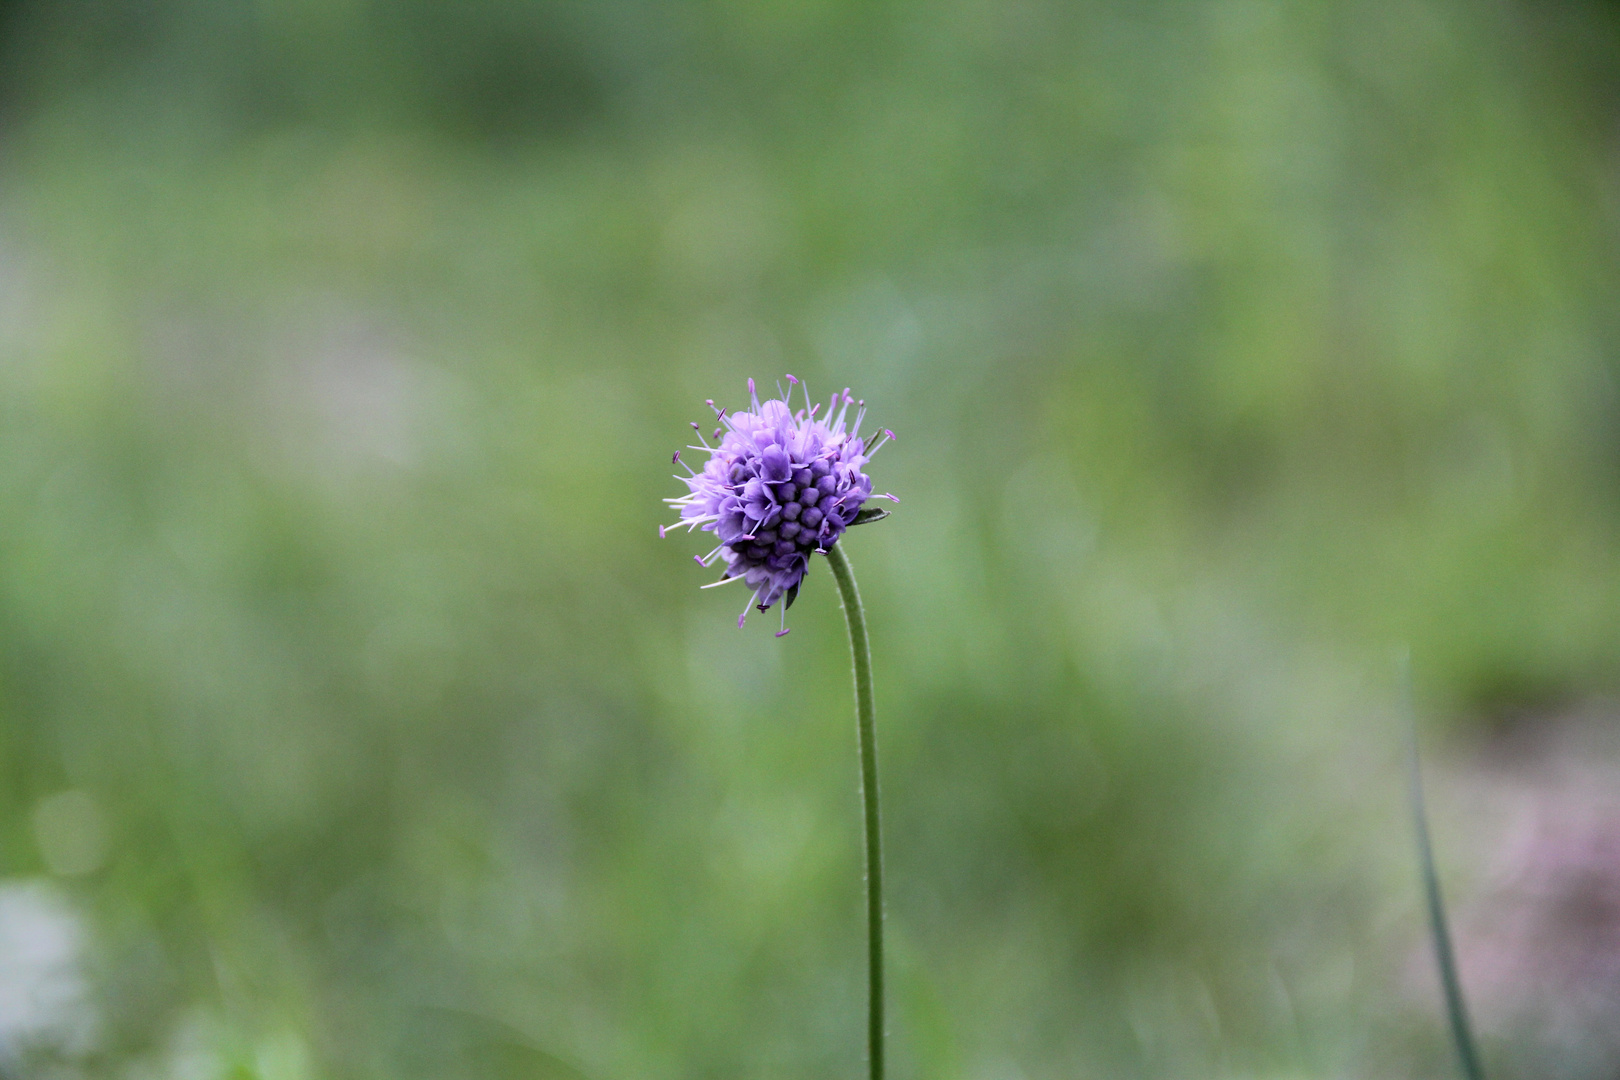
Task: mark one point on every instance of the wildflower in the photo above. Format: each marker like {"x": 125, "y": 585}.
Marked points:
{"x": 780, "y": 486}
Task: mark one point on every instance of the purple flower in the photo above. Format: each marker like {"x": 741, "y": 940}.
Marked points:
{"x": 781, "y": 486}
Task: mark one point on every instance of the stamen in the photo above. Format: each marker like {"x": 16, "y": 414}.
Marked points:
{"x": 660, "y": 532}
{"x": 722, "y": 581}
{"x": 837, "y": 422}
{"x": 744, "y": 616}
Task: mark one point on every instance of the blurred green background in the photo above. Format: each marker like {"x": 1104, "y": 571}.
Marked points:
{"x": 354, "y": 721}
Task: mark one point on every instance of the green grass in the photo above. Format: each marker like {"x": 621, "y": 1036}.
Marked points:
{"x": 1228, "y": 344}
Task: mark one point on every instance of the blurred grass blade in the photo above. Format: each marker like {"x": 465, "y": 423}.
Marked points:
{"x": 1445, "y": 958}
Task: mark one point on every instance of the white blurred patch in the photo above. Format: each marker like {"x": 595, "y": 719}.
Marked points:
{"x": 71, "y": 832}
{"x": 194, "y": 1051}
{"x": 363, "y": 395}
{"x": 44, "y": 997}
{"x": 349, "y": 399}
{"x": 201, "y": 1047}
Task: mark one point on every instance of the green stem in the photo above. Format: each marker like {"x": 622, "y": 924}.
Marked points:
{"x": 1445, "y": 959}
{"x": 861, "y": 654}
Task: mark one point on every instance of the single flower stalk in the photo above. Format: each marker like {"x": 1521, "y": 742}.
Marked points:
{"x": 779, "y": 487}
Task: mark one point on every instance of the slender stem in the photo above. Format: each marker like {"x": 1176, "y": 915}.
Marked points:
{"x": 861, "y": 654}
{"x": 1445, "y": 958}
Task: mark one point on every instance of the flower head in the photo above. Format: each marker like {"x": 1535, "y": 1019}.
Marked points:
{"x": 780, "y": 486}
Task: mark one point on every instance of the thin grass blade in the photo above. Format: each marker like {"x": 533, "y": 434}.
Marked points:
{"x": 1445, "y": 958}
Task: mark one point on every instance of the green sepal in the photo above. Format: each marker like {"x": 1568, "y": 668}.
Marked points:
{"x": 869, "y": 514}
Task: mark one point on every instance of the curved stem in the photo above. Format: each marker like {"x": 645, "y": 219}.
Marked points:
{"x": 861, "y": 655}
{"x": 1462, "y": 1036}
